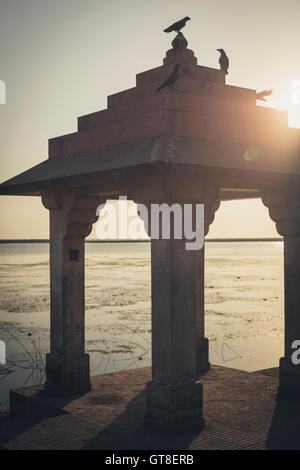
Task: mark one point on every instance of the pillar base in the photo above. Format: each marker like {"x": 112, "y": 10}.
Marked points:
{"x": 289, "y": 379}
{"x": 67, "y": 375}
{"x": 174, "y": 408}
{"x": 202, "y": 355}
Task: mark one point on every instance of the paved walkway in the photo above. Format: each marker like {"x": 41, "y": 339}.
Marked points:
{"x": 240, "y": 410}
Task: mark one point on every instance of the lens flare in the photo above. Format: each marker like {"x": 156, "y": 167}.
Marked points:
{"x": 251, "y": 154}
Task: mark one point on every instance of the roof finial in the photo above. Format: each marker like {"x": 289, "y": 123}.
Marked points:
{"x": 179, "y": 54}
{"x": 179, "y": 42}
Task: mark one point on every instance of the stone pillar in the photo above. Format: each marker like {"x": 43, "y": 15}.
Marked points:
{"x": 179, "y": 347}
{"x": 67, "y": 364}
{"x": 211, "y": 205}
{"x": 289, "y": 372}
{"x": 284, "y": 210}
{"x": 174, "y": 399}
{"x": 202, "y": 345}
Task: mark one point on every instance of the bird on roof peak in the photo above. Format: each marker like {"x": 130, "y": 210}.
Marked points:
{"x": 178, "y": 25}
{"x": 223, "y": 61}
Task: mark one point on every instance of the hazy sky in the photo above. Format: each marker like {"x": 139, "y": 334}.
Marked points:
{"x": 61, "y": 58}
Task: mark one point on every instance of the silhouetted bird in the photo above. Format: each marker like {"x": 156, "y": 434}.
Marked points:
{"x": 223, "y": 61}
{"x": 171, "y": 79}
{"x": 261, "y": 95}
{"x": 177, "y": 26}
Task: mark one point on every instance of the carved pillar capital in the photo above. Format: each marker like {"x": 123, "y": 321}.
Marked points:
{"x": 211, "y": 203}
{"x": 52, "y": 200}
{"x": 83, "y": 215}
{"x": 284, "y": 210}
{"x": 77, "y": 212}
{"x": 172, "y": 187}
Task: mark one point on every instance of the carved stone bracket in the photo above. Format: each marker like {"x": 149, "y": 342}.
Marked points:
{"x": 173, "y": 186}
{"x": 284, "y": 210}
{"x": 77, "y": 211}
{"x": 211, "y": 203}
{"x": 52, "y": 200}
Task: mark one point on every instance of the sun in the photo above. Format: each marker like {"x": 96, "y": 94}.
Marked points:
{"x": 286, "y": 98}
{"x": 294, "y": 104}
{"x": 290, "y": 101}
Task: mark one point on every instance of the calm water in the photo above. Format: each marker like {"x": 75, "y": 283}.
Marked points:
{"x": 213, "y": 249}
{"x": 25, "y": 354}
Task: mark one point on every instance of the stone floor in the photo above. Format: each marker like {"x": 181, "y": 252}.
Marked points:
{"x": 240, "y": 409}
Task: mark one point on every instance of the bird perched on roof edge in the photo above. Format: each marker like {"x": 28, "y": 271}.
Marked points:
{"x": 261, "y": 95}
{"x": 177, "y": 26}
{"x": 223, "y": 61}
{"x": 171, "y": 79}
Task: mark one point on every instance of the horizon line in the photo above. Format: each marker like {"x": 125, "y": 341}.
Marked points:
{"x": 146, "y": 240}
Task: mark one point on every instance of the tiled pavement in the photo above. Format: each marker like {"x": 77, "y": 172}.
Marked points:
{"x": 240, "y": 410}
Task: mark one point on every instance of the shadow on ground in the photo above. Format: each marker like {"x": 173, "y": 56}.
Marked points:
{"x": 127, "y": 431}
{"x": 241, "y": 410}
{"x": 29, "y": 415}
{"x": 284, "y": 432}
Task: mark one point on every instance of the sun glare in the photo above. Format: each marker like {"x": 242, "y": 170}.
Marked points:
{"x": 288, "y": 99}
{"x": 294, "y": 104}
